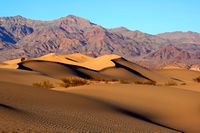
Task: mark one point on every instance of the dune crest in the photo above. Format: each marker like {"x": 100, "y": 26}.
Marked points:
{"x": 119, "y": 96}
{"x": 11, "y": 64}
{"x": 80, "y": 60}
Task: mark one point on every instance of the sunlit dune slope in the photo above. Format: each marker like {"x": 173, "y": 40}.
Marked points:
{"x": 77, "y": 57}
{"x": 141, "y": 71}
{"x": 11, "y": 64}
{"x": 171, "y": 107}
{"x": 187, "y": 76}
{"x": 24, "y": 77}
{"x": 81, "y": 60}
{"x": 28, "y": 109}
{"x": 182, "y": 74}
{"x": 107, "y": 67}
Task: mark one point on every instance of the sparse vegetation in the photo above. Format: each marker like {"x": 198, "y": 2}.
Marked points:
{"x": 105, "y": 80}
{"x": 112, "y": 81}
{"x": 138, "y": 82}
{"x": 145, "y": 82}
{"x": 197, "y": 79}
{"x": 44, "y": 84}
{"x": 171, "y": 83}
{"x": 183, "y": 83}
{"x": 71, "y": 82}
{"x": 123, "y": 82}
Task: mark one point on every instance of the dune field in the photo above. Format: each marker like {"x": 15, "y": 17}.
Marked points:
{"x": 109, "y": 94}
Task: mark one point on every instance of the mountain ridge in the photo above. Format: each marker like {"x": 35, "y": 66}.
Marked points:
{"x": 22, "y": 37}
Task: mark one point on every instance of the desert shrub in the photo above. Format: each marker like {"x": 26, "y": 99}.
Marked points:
{"x": 105, "y": 80}
{"x": 23, "y": 59}
{"x": 44, "y": 84}
{"x": 171, "y": 83}
{"x": 183, "y": 83}
{"x": 150, "y": 83}
{"x": 145, "y": 82}
{"x": 138, "y": 82}
{"x": 71, "y": 82}
{"x": 197, "y": 79}
{"x": 123, "y": 82}
{"x": 113, "y": 80}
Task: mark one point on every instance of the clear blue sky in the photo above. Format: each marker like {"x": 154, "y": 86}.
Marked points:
{"x": 151, "y": 16}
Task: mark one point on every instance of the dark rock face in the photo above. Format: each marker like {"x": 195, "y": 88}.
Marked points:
{"x": 6, "y": 37}
{"x": 21, "y": 37}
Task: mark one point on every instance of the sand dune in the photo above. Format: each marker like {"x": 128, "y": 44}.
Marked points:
{"x": 27, "y": 109}
{"x": 101, "y": 62}
{"x": 182, "y": 74}
{"x": 52, "y": 57}
{"x": 60, "y": 70}
{"x": 109, "y": 67}
{"x": 23, "y": 77}
{"x": 123, "y": 74}
{"x": 185, "y": 75}
{"x": 142, "y": 72}
{"x": 52, "y": 69}
{"x": 100, "y": 106}
{"x": 11, "y": 64}
{"x": 174, "y": 108}
{"x": 81, "y": 60}
{"x": 77, "y": 57}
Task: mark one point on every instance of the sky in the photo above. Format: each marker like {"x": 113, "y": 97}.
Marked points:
{"x": 150, "y": 16}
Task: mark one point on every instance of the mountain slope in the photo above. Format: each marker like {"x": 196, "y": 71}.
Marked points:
{"x": 21, "y": 37}
{"x": 68, "y": 35}
{"x": 183, "y": 37}
{"x": 171, "y": 55}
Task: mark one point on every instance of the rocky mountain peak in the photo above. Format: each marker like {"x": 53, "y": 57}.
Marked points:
{"x": 119, "y": 30}
{"x": 182, "y": 37}
{"x": 70, "y": 34}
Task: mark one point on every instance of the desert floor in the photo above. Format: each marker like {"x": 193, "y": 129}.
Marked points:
{"x": 130, "y": 104}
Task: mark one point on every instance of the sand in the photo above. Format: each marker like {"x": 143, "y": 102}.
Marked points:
{"x": 24, "y": 77}
{"x": 24, "y": 108}
{"x": 11, "y": 64}
{"x": 111, "y": 67}
{"x": 100, "y": 106}
{"x": 181, "y": 74}
{"x": 81, "y": 60}
{"x": 77, "y": 57}
{"x": 174, "y": 108}
{"x": 187, "y": 76}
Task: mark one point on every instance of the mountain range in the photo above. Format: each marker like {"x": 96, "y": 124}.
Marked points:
{"x": 22, "y": 37}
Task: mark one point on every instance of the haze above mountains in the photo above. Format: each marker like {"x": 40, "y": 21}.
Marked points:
{"x": 21, "y": 37}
